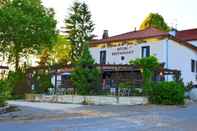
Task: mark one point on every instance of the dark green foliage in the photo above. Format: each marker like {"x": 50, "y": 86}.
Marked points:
{"x": 2, "y": 101}
{"x": 148, "y": 66}
{"x": 26, "y": 26}
{"x": 15, "y": 86}
{"x": 18, "y": 83}
{"x": 154, "y": 20}
{"x": 5, "y": 92}
{"x": 167, "y": 93}
{"x": 86, "y": 76}
{"x": 42, "y": 83}
{"x": 124, "y": 85}
{"x": 79, "y": 27}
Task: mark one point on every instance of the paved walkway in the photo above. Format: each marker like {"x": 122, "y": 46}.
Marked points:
{"x": 69, "y": 117}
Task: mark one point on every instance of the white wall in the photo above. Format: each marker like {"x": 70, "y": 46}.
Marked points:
{"x": 114, "y": 54}
{"x": 179, "y": 57}
{"x": 174, "y": 55}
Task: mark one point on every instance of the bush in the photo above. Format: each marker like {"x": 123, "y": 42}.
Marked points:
{"x": 5, "y": 92}
{"x": 17, "y": 82}
{"x": 2, "y": 101}
{"x": 42, "y": 83}
{"x": 137, "y": 92}
{"x": 124, "y": 85}
{"x": 167, "y": 93}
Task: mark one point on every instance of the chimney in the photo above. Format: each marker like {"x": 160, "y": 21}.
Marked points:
{"x": 173, "y": 32}
{"x": 135, "y": 29}
{"x": 105, "y": 34}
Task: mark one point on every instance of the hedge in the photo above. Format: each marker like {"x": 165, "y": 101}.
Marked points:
{"x": 167, "y": 93}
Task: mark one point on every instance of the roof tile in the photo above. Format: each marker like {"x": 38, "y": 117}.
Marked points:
{"x": 187, "y": 35}
{"x": 147, "y": 33}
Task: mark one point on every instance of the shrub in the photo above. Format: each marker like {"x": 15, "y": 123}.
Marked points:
{"x": 17, "y": 82}
{"x": 137, "y": 92}
{"x": 2, "y": 101}
{"x": 167, "y": 93}
{"x": 124, "y": 85}
{"x": 4, "y": 92}
{"x": 43, "y": 82}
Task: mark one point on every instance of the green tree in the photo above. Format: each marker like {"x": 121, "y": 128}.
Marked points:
{"x": 79, "y": 27}
{"x": 148, "y": 66}
{"x": 44, "y": 57}
{"x": 61, "y": 50}
{"x": 58, "y": 53}
{"x": 154, "y": 20}
{"x": 86, "y": 76}
{"x": 26, "y": 26}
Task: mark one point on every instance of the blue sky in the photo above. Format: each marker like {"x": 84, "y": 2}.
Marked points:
{"x": 119, "y": 16}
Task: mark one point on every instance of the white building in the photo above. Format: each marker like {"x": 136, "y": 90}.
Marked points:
{"x": 174, "y": 51}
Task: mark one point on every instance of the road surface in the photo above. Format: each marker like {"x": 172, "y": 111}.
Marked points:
{"x": 73, "y": 117}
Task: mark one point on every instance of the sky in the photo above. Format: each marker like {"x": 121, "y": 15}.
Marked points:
{"x": 120, "y": 16}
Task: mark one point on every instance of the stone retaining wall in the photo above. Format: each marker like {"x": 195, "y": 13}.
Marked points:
{"x": 98, "y": 100}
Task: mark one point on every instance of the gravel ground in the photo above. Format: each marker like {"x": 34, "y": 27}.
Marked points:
{"x": 73, "y": 117}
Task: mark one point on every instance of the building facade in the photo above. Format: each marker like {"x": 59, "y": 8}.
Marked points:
{"x": 169, "y": 48}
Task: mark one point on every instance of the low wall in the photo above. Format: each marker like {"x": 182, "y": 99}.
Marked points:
{"x": 4, "y": 109}
{"x": 98, "y": 100}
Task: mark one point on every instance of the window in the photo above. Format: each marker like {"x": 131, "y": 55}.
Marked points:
{"x": 102, "y": 57}
{"x": 192, "y": 65}
{"x": 196, "y": 66}
{"x": 122, "y": 58}
{"x": 145, "y": 51}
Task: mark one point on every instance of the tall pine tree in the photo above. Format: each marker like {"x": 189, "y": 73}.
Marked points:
{"x": 86, "y": 76}
{"x": 79, "y": 28}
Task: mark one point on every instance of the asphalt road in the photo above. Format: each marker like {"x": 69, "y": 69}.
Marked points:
{"x": 69, "y": 117}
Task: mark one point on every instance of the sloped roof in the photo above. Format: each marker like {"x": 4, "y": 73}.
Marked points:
{"x": 141, "y": 34}
{"x": 182, "y": 36}
{"x": 187, "y": 35}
